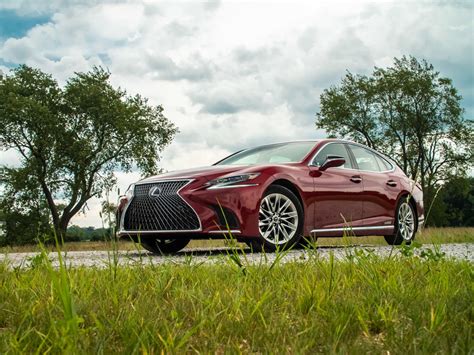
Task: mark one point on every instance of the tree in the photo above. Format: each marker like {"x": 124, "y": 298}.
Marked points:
{"x": 454, "y": 205}
{"x": 71, "y": 139}
{"x": 410, "y": 113}
{"x": 25, "y": 213}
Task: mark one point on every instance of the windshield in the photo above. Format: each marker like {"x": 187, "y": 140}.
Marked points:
{"x": 276, "y": 153}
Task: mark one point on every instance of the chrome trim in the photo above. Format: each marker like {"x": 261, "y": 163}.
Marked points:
{"x": 351, "y": 228}
{"x": 217, "y": 187}
{"x": 122, "y": 219}
{"x": 235, "y": 231}
{"x": 357, "y": 144}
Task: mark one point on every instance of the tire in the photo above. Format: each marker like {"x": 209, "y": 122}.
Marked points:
{"x": 164, "y": 246}
{"x": 405, "y": 225}
{"x": 281, "y": 220}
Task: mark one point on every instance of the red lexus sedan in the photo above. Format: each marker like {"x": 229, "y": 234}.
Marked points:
{"x": 273, "y": 196}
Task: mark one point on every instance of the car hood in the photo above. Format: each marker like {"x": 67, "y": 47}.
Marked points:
{"x": 207, "y": 172}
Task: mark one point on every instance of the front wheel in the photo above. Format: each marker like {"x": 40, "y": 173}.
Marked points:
{"x": 405, "y": 227}
{"x": 280, "y": 220}
{"x": 164, "y": 246}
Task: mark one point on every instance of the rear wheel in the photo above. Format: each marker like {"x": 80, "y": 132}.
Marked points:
{"x": 280, "y": 220}
{"x": 405, "y": 227}
{"x": 164, "y": 246}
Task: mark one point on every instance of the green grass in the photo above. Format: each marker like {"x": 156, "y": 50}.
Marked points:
{"x": 358, "y": 305}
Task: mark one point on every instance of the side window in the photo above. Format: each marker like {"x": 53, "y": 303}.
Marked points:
{"x": 383, "y": 164}
{"x": 365, "y": 158}
{"x": 333, "y": 149}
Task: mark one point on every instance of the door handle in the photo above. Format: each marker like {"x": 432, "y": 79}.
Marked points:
{"x": 391, "y": 183}
{"x": 356, "y": 178}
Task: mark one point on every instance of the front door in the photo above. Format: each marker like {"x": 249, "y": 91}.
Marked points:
{"x": 338, "y": 200}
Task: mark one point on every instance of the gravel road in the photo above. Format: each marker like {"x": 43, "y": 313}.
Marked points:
{"x": 220, "y": 255}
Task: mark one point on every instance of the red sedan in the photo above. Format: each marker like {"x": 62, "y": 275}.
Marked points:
{"x": 273, "y": 196}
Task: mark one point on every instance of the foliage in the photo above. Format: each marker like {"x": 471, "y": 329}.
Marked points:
{"x": 24, "y": 212}
{"x": 410, "y": 113}
{"x": 80, "y": 234}
{"x": 71, "y": 139}
{"x": 454, "y": 205}
{"x": 363, "y": 304}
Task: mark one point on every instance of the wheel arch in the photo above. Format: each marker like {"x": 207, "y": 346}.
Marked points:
{"x": 292, "y": 187}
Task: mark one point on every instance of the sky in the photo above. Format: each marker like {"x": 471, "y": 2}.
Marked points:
{"x": 233, "y": 74}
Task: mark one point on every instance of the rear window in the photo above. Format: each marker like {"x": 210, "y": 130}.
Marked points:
{"x": 383, "y": 163}
{"x": 365, "y": 158}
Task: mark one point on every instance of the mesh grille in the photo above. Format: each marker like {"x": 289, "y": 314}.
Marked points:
{"x": 165, "y": 211}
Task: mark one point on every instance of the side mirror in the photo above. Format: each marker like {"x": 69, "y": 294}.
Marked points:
{"x": 332, "y": 161}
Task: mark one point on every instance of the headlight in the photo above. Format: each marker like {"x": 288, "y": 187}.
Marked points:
{"x": 129, "y": 193}
{"x": 231, "y": 181}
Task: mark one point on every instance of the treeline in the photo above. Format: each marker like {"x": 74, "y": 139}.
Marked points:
{"x": 88, "y": 234}
{"x": 46, "y": 235}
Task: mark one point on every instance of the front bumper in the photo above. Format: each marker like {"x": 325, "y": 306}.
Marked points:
{"x": 239, "y": 204}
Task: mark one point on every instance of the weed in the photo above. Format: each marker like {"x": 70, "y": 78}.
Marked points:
{"x": 39, "y": 260}
{"x": 408, "y": 250}
{"x": 434, "y": 254}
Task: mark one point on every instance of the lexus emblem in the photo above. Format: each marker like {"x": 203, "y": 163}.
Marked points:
{"x": 155, "y": 191}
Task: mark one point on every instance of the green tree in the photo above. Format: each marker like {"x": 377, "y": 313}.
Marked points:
{"x": 454, "y": 205}
{"x": 71, "y": 139}
{"x": 25, "y": 212}
{"x": 410, "y": 113}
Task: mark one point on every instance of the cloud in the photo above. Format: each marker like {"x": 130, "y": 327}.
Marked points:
{"x": 11, "y": 158}
{"x": 238, "y": 74}
{"x": 193, "y": 68}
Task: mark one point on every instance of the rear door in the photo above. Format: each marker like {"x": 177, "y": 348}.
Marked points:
{"x": 338, "y": 191}
{"x": 380, "y": 187}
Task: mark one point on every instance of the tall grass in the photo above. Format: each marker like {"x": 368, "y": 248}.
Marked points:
{"x": 360, "y": 304}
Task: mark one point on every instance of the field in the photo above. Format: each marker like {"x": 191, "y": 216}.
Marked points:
{"x": 360, "y": 304}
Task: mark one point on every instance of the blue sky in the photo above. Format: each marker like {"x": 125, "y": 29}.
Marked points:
{"x": 234, "y": 74}
{"x": 15, "y": 25}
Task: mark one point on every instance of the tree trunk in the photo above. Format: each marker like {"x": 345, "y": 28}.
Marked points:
{"x": 61, "y": 227}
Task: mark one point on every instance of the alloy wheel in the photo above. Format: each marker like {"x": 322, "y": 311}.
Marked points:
{"x": 278, "y": 219}
{"x": 406, "y": 221}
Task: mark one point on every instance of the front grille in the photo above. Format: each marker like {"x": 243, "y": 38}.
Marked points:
{"x": 164, "y": 211}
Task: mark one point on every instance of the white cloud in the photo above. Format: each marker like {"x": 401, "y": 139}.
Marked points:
{"x": 237, "y": 74}
{"x": 10, "y": 158}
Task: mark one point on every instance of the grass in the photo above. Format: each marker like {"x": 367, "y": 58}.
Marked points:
{"x": 426, "y": 236}
{"x": 361, "y": 304}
